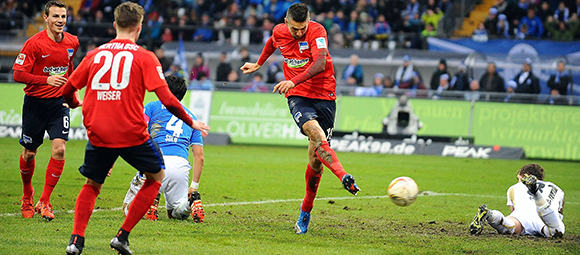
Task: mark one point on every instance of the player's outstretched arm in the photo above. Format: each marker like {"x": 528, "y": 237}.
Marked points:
{"x": 266, "y": 53}
{"x": 175, "y": 108}
{"x": 250, "y": 67}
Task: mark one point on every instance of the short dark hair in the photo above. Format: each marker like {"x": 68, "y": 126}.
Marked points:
{"x": 532, "y": 169}
{"x": 177, "y": 86}
{"x": 52, "y": 3}
{"x": 128, "y": 14}
{"x": 298, "y": 12}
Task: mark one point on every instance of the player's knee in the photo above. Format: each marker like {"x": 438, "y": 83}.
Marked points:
{"x": 28, "y": 155}
{"x": 316, "y": 165}
{"x": 58, "y": 152}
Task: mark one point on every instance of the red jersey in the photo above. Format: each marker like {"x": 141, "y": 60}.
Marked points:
{"x": 40, "y": 55}
{"x": 116, "y": 75}
{"x": 299, "y": 55}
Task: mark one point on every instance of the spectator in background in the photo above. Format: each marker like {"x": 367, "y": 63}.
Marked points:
{"x": 522, "y": 32}
{"x": 526, "y": 81}
{"x": 562, "y": 31}
{"x": 535, "y": 26}
{"x": 198, "y": 67}
{"x": 491, "y": 81}
{"x": 562, "y": 13}
{"x": 154, "y": 23}
{"x": 352, "y": 75}
{"x": 340, "y": 20}
{"x": 445, "y": 5}
{"x": 351, "y": 31}
{"x": 473, "y": 93}
{"x": 461, "y": 79}
{"x": 429, "y": 30}
{"x": 375, "y": 90}
{"x": 490, "y": 22}
{"x": 244, "y": 57}
{"x": 406, "y": 75}
{"x": 165, "y": 61}
{"x": 430, "y": 16}
{"x": 511, "y": 90}
{"x": 443, "y": 83}
{"x": 256, "y": 84}
{"x": 167, "y": 35}
{"x": 201, "y": 83}
{"x": 479, "y": 34}
{"x": 501, "y": 6}
{"x": 559, "y": 82}
{"x": 273, "y": 69}
{"x": 545, "y": 11}
{"x": 205, "y": 32}
{"x": 503, "y": 27}
{"x": 576, "y": 7}
{"x": 223, "y": 68}
{"x": 411, "y": 9}
{"x": 441, "y": 69}
{"x": 382, "y": 29}
{"x": 175, "y": 69}
{"x": 365, "y": 29}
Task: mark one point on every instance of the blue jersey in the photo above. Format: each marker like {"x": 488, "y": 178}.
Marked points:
{"x": 169, "y": 132}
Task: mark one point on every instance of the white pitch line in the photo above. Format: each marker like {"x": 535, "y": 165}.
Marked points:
{"x": 422, "y": 194}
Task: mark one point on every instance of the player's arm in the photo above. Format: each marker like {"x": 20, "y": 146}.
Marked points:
{"x": 266, "y": 53}
{"x": 175, "y": 108}
{"x": 198, "y": 161}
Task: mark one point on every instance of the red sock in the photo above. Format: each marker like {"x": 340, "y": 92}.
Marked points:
{"x": 84, "y": 208}
{"x": 141, "y": 203}
{"x": 312, "y": 181}
{"x": 331, "y": 162}
{"x": 26, "y": 172}
{"x": 53, "y": 172}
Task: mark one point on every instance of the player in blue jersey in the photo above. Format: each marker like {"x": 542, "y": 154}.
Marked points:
{"x": 174, "y": 138}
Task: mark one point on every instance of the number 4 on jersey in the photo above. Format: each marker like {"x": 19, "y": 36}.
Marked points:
{"x": 174, "y": 124}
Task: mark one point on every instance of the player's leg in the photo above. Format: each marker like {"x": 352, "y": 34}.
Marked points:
{"x": 96, "y": 166}
{"x": 194, "y": 198}
{"x": 174, "y": 187}
{"x": 52, "y": 176}
{"x": 554, "y": 226}
{"x": 503, "y": 224}
{"x": 134, "y": 187}
{"x": 26, "y": 172}
{"x": 33, "y": 126}
{"x": 147, "y": 159}
{"x": 58, "y": 130}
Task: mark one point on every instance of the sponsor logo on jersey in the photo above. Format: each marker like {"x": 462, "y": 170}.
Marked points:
{"x": 70, "y": 52}
{"x": 20, "y": 59}
{"x": 295, "y": 63}
{"x": 321, "y": 43}
{"x": 46, "y": 56}
{"x": 58, "y": 70}
{"x": 302, "y": 46}
{"x": 108, "y": 95}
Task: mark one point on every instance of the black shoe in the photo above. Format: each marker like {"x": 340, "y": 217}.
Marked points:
{"x": 121, "y": 247}
{"x": 75, "y": 245}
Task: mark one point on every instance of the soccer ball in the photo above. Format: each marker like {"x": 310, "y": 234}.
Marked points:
{"x": 403, "y": 191}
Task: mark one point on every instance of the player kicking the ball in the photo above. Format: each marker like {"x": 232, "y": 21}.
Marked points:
{"x": 310, "y": 89}
{"x": 537, "y": 207}
{"x": 174, "y": 140}
{"x": 116, "y": 75}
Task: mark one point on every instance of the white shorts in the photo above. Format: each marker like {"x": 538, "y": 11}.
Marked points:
{"x": 176, "y": 181}
{"x": 531, "y": 223}
{"x": 174, "y": 185}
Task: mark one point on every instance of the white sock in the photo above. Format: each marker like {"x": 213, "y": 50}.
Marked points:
{"x": 182, "y": 211}
{"x": 499, "y": 222}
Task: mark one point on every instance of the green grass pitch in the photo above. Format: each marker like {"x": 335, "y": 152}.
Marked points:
{"x": 252, "y": 195}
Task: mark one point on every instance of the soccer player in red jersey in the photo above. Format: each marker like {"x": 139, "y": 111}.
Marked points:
{"x": 44, "y": 64}
{"x": 310, "y": 89}
{"x": 116, "y": 75}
